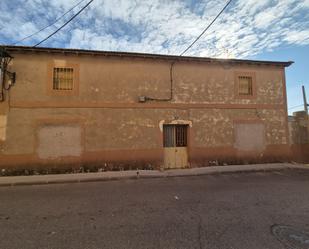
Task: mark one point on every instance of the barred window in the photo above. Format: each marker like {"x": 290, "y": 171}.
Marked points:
{"x": 63, "y": 78}
{"x": 175, "y": 135}
{"x": 245, "y": 85}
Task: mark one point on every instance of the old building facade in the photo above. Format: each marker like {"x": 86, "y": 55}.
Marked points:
{"x": 81, "y": 107}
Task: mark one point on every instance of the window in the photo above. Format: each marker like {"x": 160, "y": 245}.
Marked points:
{"x": 175, "y": 135}
{"x": 63, "y": 78}
{"x": 245, "y": 85}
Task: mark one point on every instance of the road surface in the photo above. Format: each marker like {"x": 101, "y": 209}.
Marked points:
{"x": 213, "y": 211}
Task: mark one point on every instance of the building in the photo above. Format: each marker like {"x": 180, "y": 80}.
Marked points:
{"x": 87, "y": 108}
{"x": 299, "y": 136}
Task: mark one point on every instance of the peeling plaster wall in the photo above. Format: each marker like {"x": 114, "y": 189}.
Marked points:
{"x": 214, "y": 128}
{"x": 120, "y": 132}
{"x": 123, "y": 80}
{"x": 215, "y": 84}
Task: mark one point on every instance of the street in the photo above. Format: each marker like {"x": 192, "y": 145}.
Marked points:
{"x": 235, "y": 210}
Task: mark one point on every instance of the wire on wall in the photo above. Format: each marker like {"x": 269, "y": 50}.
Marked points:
{"x": 182, "y": 53}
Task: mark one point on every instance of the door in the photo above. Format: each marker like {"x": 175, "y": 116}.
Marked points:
{"x": 175, "y": 146}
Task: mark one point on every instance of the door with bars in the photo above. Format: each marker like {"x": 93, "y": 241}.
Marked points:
{"x": 175, "y": 145}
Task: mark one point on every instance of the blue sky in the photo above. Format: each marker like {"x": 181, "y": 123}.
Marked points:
{"x": 263, "y": 29}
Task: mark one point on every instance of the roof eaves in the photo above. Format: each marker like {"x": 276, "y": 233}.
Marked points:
{"x": 142, "y": 55}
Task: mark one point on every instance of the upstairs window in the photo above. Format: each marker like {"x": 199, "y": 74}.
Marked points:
{"x": 63, "y": 78}
{"x": 245, "y": 87}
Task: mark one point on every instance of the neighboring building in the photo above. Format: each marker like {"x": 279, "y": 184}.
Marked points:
{"x": 299, "y": 136}
{"x": 104, "y": 109}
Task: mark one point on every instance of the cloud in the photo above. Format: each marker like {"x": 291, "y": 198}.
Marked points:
{"x": 157, "y": 26}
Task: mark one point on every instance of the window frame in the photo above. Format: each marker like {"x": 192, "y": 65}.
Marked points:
{"x": 63, "y": 83}
{"x": 50, "y": 79}
{"x": 253, "y": 80}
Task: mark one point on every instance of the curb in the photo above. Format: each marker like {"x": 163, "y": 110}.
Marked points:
{"x": 6, "y": 181}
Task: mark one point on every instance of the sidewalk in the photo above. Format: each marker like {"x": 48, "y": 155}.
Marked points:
{"x": 117, "y": 175}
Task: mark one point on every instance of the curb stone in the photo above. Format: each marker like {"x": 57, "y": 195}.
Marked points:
{"x": 6, "y": 181}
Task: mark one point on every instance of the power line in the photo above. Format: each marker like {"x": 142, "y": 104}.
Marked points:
{"x": 59, "y": 18}
{"x": 64, "y": 24}
{"x": 172, "y": 63}
{"x": 228, "y": 3}
{"x": 295, "y": 106}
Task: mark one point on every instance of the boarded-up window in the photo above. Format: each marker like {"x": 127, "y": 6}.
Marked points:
{"x": 56, "y": 141}
{"x": 63, "y": 78}
{"x": 2, "y": 127}
{"x": 249, "y": 136}
{"x": 175, "y": 135}
{"x": 245, "y": 85}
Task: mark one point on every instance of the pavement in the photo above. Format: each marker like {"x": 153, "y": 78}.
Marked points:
{"x": 216, "y": 211}
{"x": 117, "y": 175}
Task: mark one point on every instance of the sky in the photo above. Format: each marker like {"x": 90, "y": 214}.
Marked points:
{"x": 248, "y": 29}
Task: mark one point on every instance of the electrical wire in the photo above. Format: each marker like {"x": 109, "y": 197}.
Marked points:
{"x": 295, "y": 107}
{"x": 53, "y": 23}
{"x": 66, "y": 23}
{"x": 173, "y": 63}
{"x": 228, "y": 3}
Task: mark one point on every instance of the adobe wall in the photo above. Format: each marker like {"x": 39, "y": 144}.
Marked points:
{"x": 114, "y": 80}
{"x": 100, "y": 136}
{"x": 104, "y": 123}
{"x": 299, "y": 136}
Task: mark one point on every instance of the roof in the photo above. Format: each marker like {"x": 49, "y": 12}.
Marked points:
{"x": 26, "y": 49}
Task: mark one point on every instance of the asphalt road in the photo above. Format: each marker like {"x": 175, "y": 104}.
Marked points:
{"x": 214, "y": 211}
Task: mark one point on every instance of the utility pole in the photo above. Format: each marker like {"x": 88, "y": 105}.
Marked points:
{"x": 305, "y": 100}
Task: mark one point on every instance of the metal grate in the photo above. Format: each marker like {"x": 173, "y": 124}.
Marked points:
{"x": 245, "y": 85}
{"x": 175, "y": 135}
{"x": 63, "y": 78}
{"x": 181, "y": 135}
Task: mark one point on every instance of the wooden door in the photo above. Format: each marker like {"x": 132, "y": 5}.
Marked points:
{"x": 175, "y": 146}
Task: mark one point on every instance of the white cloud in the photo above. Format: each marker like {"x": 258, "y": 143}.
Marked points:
{"x": 297, "y": 37}
{"x": 265, "y": 18}
{"x": 246, "y": 28}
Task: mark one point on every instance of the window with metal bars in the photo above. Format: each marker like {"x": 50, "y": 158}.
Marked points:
{"x": 245, "y": 85}
{"x": 175, "y": 135}
{"x": 63, "y": 78}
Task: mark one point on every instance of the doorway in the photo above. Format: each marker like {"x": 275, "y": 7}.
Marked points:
{"x": 175, "y": 139}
